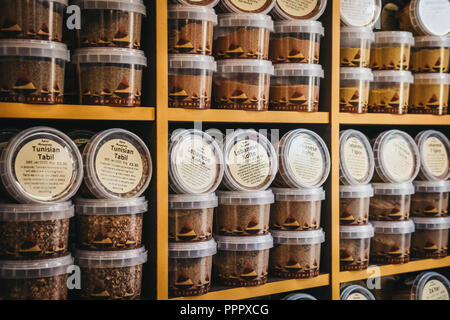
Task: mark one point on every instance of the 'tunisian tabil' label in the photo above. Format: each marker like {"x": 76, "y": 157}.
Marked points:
{"x": 435, "y": 290}
{"x": 298, "y": 8}
{"x": 356, "y": 158}
{"x": 435, "y": 157}
{"x": 398, "y": 159}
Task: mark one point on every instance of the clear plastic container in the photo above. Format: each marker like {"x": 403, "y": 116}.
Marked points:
{"x": 355, "y": 247}
{"x": 298, "y": 296}
{"x": 295, "y": 87}
{"x": 296, "y": 41}
{"x": 110, "y": 76}
{"x": 191, "y": 217}
{"x": 354, "y": 203}
{"x": 391, "y": 243}
{"x": 431, "y": 54}
{"x": 354, "y": 89}
{"x": 32, "y": 71}
{"x": 35, "y": 19}
{"x": 44, "y": 279}
{"x": 190, "y": 29}
{"x": 356, "y": 292}
{"x": 355, "y": 13}
{"x": 80, "y": 137}
{"x": 356, "y": 43}
{"x": 190, "y": 81}
{"x": 430, "y": 240}
{"x": 298, "y": 10}
{"x": 242, "y": 84}
{"x": 296, "y": 254}
{"x": 242, "y": 261}
{"x": 430, "y": 199}
{"x": 34, "y": 231}
{"x": 250, "y": 161}
{"x": 242, "y": 36}
{"x": 105, "y": 224}
{"x": 391, "y": 201}
{"x": 196, "y": 162}
{"x": 392, "y": 50}
{"x": 243, "y": 213}
{"x": 244, "y": 7}
{"x": 429, "y": 93}
{"x": 190, "y": 268}
{"x": 111, "y": 275}
{"x": 112, "y": 23}
{"x": 425, "y": 286}
{"x": 434, "y": 148}
{"x": 296, "y": 209}
{"x": 206, "y": 3}
{"x": 41, "y": 165}
{"x": 304, "y": 160}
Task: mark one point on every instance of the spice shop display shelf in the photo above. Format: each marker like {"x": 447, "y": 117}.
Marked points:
{"x": 393, "y": 119}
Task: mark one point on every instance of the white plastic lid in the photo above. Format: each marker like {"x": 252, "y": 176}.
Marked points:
{"x": 191, "y": 61}
{"x": 355, "y": 191}
{"x": 432, "y": 41}
{"x": 110, "y": 259}
{"x": 109, "y": 55}
{"x": 299, "y": 26}
{"x": 360, "y": 13}
{"x": 348, "y": 73}
{"x": 299, "y": 296}
{"x": 36, "y": 212}
{"x": 430, "y": 16}
{"x": 192, "y": 250}
{"x": 432, "y": 78}
{"x": 394, "y": 37}
{"x": 255, "y": 243}
{"x": 434, "y": 148}
{"x": 393, "y": 76}
{"x": 192, "y": 201}
{"x": 393, "y": 189}
{"x": 34, "y": 48}
{"x": 357, "y": 33}
{"x": 393, "y": 227}
{"x": 298, "y": 70}
{"x": 29, "y": 269}
{"x": 356, "y": 232}
{"x": 356, "y": 292}
{"x": 299, "y": 195}
{"x": 254, "y": 20}
{"x": 110, "y": 206}
{"x": 245, "y": 198}
{"x": 182, "y": 12}
{"x": 298, "y": 237}
{"x": 245, "y": 66}
{"x": 123, "y": 5}
{"x": 421, "y": 287}
{"x": 432, "y": 186}
{"x": 439, "y": 223}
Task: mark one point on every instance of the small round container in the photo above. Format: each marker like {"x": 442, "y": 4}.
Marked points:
{"x": 191, "y": 217}
{"x": 34, "y": 231}
{"x": 360, "y": 14}
{"x": 242, "y": 261}
{"x": 296, "y": 209}
{"x": 391, "y": 242}
{"x": 110, "y": 76}
{"x": 425, "y": 286}
{"x": 190, "y": 267}
{"x": 190, "y": 81}
{"x": 244, "y": 7}
{"x": 190, "y": 29}
{"x": 298, "y": 10}
{"x": 430, "y": 240}
{"x": 430, "y": 199}
{"x": 80, "y": 137}
{"x": 296, "y": 254}
{"x": 391, "y": 201}
{"x": 356, "y": 43}
{"x": 44, "y": 279}
{"x": 354, "y": 89}
{"x": 431, "y": 54}
{"x": 429, "y": 93}
{"x": 243, "y": 213}
{"x": 242, "y": 84}
{"x": 32, "y": 71}
{"x": 354, "y": 204}
{"x": 392, "y": 50}
{"x": 355, "y": 247}
{"x": 205, "y": 3}
{"x": 196, "y": 162}
{"x": 111, "y": 275}
{"x": 113, "y": 23}
{"x": 298, "y": 296}
{"x": 296, "y": 41}
{"x": 250, "y": 161}
{"x": 304, "y": 160}
{"x": 356, "y": 292}
{"x": 434, "y": 148}
{"x": 41, "y": 165}
{"x": 295, "y": 87}
{"x": 242, "y": 36}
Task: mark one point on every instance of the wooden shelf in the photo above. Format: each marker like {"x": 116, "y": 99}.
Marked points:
{"x": 393, "y": 119}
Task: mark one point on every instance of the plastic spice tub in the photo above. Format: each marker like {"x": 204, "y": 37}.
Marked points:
{"x": 298, "y": 296}
{"x": 430, "y": 240}
{"x": 244, "y": 6}
{"x": 111, "y": 275}
{"x": 354, "y": 204}
{"x": 34, "y": 231}
{"x": 110, "y": 76}
{"x": 41, "y": 165}
{"x": 391, "y": 202}
{"x": 357, "y": 13}
{"x": 44, "y": 279}
{"x": 242, "y": 261}
{"x": 356, "y": 292}
{"x": 296, "y": 209}
{"x": 431, "y": 54}
{"x": 434, "y": 149}
{"x": 190, "y": 29}
{"x": 296, "y": 254}
{"x": 392, "y": 50}
{"x": 196, "y": 162}
{"x": 243, "y": 213}
{"x": 430, "y": 199}
{"x": 296, "y": 41}
{"x": 206, "y": 3}
{"x": 190, "y": 81}
{"x": 113, "y": 23}
{"x": 191, "y": 217}
{"x": 356, "y": 43}
{"x": 355, "y": 247}
{"x": 425, "y": 286}
{"x": 298, "y": 10}
{"x": 190, "y": 267}
{"x": 80, "y": 137}
{"x": 295, "y": 87}
{"x": 32, "y": 71}
{"x": 354, "y": 89}
{"x": 35, "y": 19}
{"x": 250, "y": 161}
{"x": 117, "y": 164}
{"x": 392, "y": 241}
{"x": 242, "y": 84}
{"x": 242, "y": 36}
{"x": 429, "y": 93}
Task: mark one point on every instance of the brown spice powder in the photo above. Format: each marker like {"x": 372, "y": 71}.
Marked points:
{"x": 295, "y": 215}
{"x": 390, "y": 248}
{"x": 354, "y": 254}
{"x": 354, "y": 211}
{"x": 242, "y": 220}
{"x": 189, "y": 277}
{"x": 190, "y": 36}
{"x": 298, "y": 97}
{"x": 295, "y": 261}
{"x": 50, "y": 288}
{"x": 186, "y": 225}
{"x": 294, "y": 48}
{"x": 243, "y": 43}
{"x": 429, "y": 204}
{"x": 389, "y": 207}
{"x": 191, "y": 91}
{"x": 429, "y": 99}
{"x": 427, "y": 244}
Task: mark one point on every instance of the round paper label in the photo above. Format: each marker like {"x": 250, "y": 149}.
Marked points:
{"x": 358, "y": 13}
{"x": 398, "y": 159}
{"x": 435, "y": 290}
{"x": 357, "y": 296}
{"x": 297, "y": 8}
{"x": 249, "y": 5}
{"x": 435, "y": 157}
{"x": 433, "y": 14}
{"x": 356, "y": 158}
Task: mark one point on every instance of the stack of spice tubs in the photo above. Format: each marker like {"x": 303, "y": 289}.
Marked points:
{"x": 109, "y": 62}
{"x": 195, "y": 171}
{"x": 109, "y": 215}
{"x": 41, "y": 169}
{"x": 295, "y": 216}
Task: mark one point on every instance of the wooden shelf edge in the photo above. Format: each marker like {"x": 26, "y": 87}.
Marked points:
{"x": 393, "y": 119}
